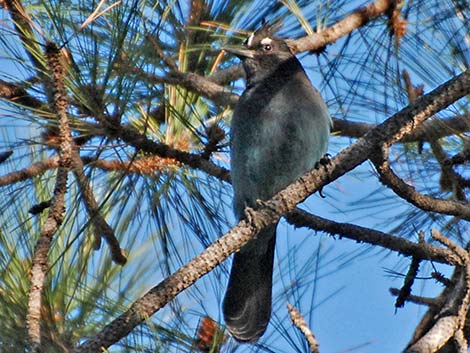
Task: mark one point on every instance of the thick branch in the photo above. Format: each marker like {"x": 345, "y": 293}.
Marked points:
{"x": 284, "y": 202}
{"x": 437, "y": 336}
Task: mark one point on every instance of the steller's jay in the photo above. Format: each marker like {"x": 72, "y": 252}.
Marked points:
{"x": 280, "y": 129}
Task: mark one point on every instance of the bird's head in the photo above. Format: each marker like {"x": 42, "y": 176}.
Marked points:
{"x": 263, "y": 53}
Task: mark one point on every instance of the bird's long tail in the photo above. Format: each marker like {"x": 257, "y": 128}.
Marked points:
{"x": 247, "y": 303}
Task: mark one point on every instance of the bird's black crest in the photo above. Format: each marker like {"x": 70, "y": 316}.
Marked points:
{"x": 267, "y": 30}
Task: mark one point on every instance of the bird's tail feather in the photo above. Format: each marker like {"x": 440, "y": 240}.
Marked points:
{"x": 247, "y": 303}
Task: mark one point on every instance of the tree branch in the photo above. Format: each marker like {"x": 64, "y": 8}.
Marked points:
{"x": 421, "y": 251}
{"x": 102, "y": 228}
{"x": 357, "y": 19}
{"x": 56, "y": 213}
{"x": 196, "y": 161}
{"x": 300, "y": 323}
{"x": 407, "y": 192}
{"x": 447, "y": 321}
{"x": 431, "y": 130}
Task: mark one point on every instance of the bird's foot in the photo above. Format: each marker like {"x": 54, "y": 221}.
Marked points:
{"x": 250, "y": 214}
{"x": 323, "y": 162}
{"x": 255, "y": 218}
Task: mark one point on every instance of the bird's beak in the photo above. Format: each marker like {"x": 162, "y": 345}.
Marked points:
{"x": 241, "y": 53}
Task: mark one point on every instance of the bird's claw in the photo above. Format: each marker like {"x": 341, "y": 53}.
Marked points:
{"x": 323, "y": 162}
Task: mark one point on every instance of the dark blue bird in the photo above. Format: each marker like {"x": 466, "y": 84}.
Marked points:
{"x": 280, "y": 130}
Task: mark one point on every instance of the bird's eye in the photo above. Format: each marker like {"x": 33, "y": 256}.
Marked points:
{"x": 267, "y": 47}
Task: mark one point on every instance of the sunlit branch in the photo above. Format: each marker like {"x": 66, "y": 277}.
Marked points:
{"x": 56, "y": 213}
{"x": 431, "y": 130}
{"x": 32, "y": 171}
{"x": 300, "y": 323}
{"x": 447, "y": 321}
{"x": 355, "y": 20}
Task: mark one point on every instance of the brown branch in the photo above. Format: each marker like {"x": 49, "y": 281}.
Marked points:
{"x": 15, "y": 93}
{"x": 389, "y": 132}
{"x": 357, "y": 19}
{"x": 447, "y": 321}
{"x": 407, "y": 192}
{"x": 198, "y": 84}
{"x": 102, "y": 228}
{"x": 422, "y": 251}
{"x": 32, "y": 171}
{"x": 23, "y": 26}
{"x": 457, "y": 249}
{"x": 460, "y": 158}
{"x": 432, "y": 129}
{"x": 225, "y": 76}
{"x": 196, "y": 161}
{"x": 449, "y": 180}
{"x": 146, "y": 165}
{"x": 300, "y": 323}
{"x": 437, "y": 336}
{"x": 405, "y": 290}
{"x": 56, "y": 213}
{"x": 415, "y": 299}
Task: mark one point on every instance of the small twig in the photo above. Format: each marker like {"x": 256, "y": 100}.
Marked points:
{"x": 440, "y": 278}
{"x": 166, "y": 59}
{"x": 405, "y": 290}
{"x": 457, "y": 249}
{"x": 449, "y": 179}
{"x": 460, "y": 158}
{"x": 215, "y": 134}
{"x": 40, "y": 207}
{"x": 102, "y": 228}
{"x": 416, "y": 299}
{"x": 300, "y": 323}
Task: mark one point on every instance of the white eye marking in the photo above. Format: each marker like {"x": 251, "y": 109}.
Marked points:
{"x": 266, "y": 41}
{"x": 249, "y": 40}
